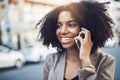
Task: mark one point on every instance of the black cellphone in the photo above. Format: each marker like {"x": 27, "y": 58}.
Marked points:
{"x": 78, "y": 42}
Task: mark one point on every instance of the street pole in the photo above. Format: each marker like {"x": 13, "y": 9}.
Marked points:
{"x": 8, "y": 26}
{"x": 0, "y": 34}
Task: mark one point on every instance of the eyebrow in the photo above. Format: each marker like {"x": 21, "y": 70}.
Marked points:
{"x": 68, "y": 21}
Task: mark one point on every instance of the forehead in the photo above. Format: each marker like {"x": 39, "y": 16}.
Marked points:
{"x": 65, "y": 16}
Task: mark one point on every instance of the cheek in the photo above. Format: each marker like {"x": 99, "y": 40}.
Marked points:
{"x": 75, "y": 32}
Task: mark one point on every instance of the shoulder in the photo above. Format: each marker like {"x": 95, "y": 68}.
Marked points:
{"x": 102, "y": 56}
{"x": 106, "y": 60}
{"x": 107, "y": 56}
{"x": 49, "y": 60}
{"x": 51, "y": 56}
{"x": 54, "y": 57}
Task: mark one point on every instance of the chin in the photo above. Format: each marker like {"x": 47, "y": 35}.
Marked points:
{"x": 66, "y": 46}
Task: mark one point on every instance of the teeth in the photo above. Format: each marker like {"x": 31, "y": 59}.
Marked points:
{"x": 65, "y": 38}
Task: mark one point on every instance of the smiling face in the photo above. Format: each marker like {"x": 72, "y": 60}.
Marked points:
{"x": 67, "y": 29}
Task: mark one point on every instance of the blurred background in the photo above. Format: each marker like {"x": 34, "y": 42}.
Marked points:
{"x": 21, "y": 53}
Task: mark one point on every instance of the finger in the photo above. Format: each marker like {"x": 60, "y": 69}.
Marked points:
{"x": 79, "y": 38}
{"x": 84, "y": 29}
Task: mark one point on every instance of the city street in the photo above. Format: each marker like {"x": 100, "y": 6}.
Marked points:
{"x": 33, "y": 71}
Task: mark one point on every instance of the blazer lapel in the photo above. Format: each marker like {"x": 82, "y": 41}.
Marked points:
{"x": 61, "y": 66}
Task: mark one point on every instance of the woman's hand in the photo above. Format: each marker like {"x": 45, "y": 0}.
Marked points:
{"x": 85, "y": 46}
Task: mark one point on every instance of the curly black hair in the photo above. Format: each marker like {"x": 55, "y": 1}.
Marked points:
{"x": 91, "y": 15}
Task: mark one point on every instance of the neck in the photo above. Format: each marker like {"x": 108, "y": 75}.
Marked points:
{"x": 72, "y": 54}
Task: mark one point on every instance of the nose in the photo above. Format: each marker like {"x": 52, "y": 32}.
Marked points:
{"x": 64, "y": 29}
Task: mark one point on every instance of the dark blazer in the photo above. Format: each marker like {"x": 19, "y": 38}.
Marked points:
{"x": 54, "y": 66}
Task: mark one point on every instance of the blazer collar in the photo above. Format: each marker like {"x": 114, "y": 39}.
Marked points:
{"x": 61, "y": 66}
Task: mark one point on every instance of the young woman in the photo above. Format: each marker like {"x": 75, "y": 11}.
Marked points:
{"x": 77, "y": 30}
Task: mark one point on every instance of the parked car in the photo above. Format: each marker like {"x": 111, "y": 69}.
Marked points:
{"x": 36, "y": 53}
{"x": 46, "y": 51}
{"x": 31, "y": 54}
{"x": 10, "y": 58}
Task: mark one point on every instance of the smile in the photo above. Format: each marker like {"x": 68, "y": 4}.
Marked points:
{"x": 66, "y": 40}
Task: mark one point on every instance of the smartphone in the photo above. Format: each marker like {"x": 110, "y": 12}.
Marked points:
{"x": 78, "y": 42}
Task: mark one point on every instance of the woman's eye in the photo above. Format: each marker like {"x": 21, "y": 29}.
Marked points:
{"x": 72, "y": 25}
